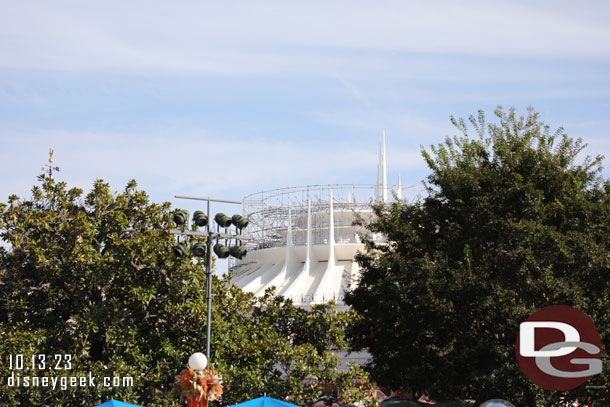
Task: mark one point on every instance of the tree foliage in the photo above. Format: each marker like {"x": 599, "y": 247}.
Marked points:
{"x": 93, "y": 277}
{"x": 513, "y": 221}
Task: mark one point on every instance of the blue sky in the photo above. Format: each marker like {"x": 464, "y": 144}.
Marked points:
{"x": 224, "y": 99}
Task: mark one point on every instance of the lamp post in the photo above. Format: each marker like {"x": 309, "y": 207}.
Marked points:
{"x": 198, "y": 385}
{"x": 221, "y": 251}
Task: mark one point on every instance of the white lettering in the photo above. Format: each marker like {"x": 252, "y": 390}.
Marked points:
{"x": 527, "y": 338}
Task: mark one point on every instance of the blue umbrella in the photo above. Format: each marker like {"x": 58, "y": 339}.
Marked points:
{"x": 116, "y": 403}
{"x": 265, "y": 402}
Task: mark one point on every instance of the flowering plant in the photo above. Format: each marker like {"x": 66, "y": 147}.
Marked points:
{"x": 198, "y": 387}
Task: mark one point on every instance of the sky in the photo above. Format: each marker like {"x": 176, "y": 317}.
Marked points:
{"x": 223, "y": 99}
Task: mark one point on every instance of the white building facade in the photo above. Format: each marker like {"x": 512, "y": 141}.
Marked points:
{"x": 304, "y": 239}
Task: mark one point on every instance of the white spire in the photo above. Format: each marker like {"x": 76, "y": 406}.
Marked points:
{"x": 329, "y": 277}
{"x": 384, "y": 173}
{"x": 378, "y": 182}
{"x": 381, "y": 187}
{"x": 331, "y": 235}
{"x": 290, "y": 259}
{"x": 289, "y": 242}
{"x": 309, "y": 240}
{"x": 295, "y": 286}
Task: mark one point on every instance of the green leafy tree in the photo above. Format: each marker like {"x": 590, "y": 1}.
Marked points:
{"x": 513, "y": 221}
{"x": 268, "y": 346}
{"x": 92, "y": 279}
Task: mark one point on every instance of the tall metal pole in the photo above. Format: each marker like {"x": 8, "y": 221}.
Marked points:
{"x": 208, "y": 276}
{"x": 209, "y": 288}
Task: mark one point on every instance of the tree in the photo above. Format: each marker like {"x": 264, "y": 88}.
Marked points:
{"x": 92, "y": 280}
{"x": 512, "y": 222}
{"x": 268, "y": 346}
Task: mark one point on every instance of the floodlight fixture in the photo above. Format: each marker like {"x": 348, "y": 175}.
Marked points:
{"x": 198, "y": 249}
{"x": 200, "y": 218}
{"x": 222, "y": 220}
{"x": 181, "y": 249}
{"x": 221, "y": 251}
{"x": 239, "y": 221}
{"x": 239, "y": 252}
{"x": 181, "y": 217}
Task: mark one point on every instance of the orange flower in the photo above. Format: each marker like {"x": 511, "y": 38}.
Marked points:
{"x": 185, "y": 378}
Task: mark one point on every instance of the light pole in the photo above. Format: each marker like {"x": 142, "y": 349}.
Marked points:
{"x": 221, "y": 251}
{"x": 198, "y": 385}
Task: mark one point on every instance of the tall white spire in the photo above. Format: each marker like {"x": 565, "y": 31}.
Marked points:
{"x": 289, "y": 242}
{"x": 381, "y": 187}
{"x": 326, "y": 285}
{"x": 309, "y": 240}
{"x": 378, "y": 181}
{"x": 384, "y": 172}
{"x": 331, "y": 235}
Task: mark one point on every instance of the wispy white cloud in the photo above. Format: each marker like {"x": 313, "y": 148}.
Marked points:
{"x": 358, "y": 95}
{"x": 276, "y": 37}
{"x": 383, "y": 55}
